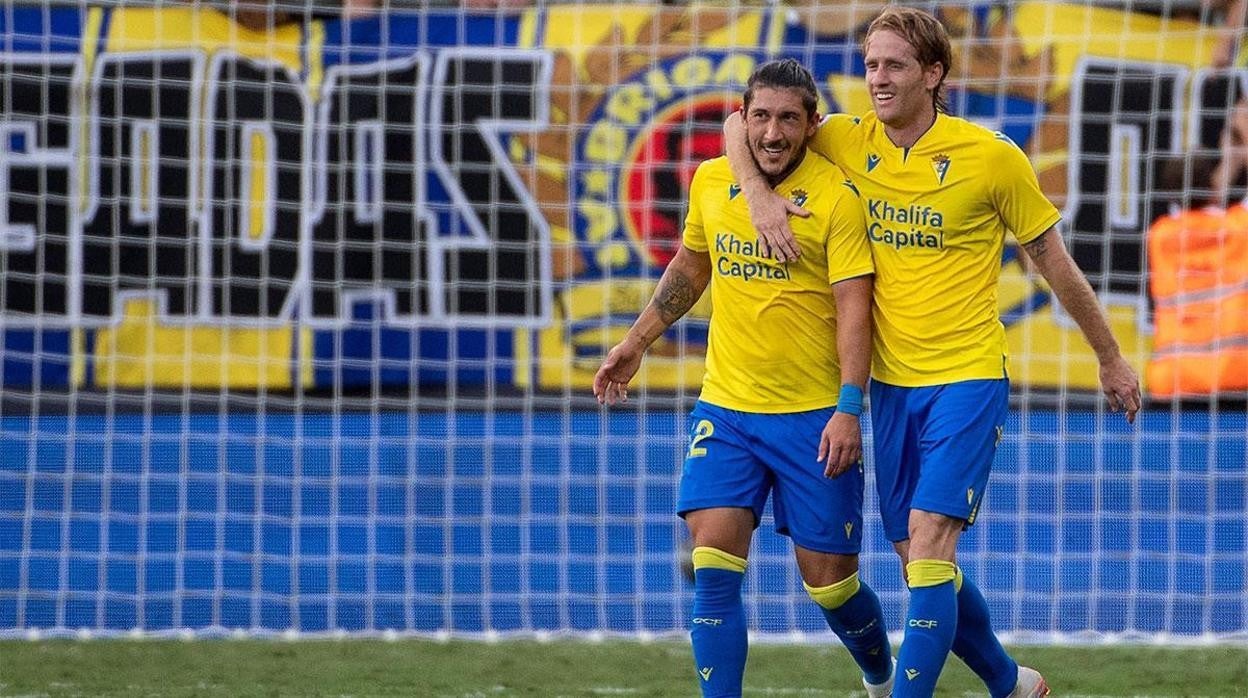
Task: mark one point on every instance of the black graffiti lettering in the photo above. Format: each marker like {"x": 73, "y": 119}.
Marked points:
{"x": 1122, "y": 113}
{"x": 256, "y": 142}
{"x": 138, "y": 237}
{"x": 371, "y": 238}
{"x": 38, "y": 134}
{"x": 503, "y": 273}
{"x": 197, "y": 184}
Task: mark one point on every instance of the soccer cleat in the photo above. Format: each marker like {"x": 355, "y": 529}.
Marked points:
{"x": 1030, "y": 684}
{"x": 881, "y": 690}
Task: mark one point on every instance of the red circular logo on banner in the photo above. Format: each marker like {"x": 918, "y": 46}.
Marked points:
{"x": 655, "y": 191}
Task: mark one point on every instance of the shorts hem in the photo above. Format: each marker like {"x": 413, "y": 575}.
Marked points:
{"x": 962, "y": 515}
{"x": 894, "y": 538}
{"x": 822, "y": 547}
{"x": 701, "y": 504}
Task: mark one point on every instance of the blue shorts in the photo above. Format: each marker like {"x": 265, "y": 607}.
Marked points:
{"x": 736, "y": 458}
{"x": 933, "y": 448}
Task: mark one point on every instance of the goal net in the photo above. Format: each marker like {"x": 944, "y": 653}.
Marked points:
{"x": 299, "y": 313}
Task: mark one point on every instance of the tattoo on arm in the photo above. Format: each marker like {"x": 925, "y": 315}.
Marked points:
{"x": 675, "y": 296}
{"x": 1037, "y": 247}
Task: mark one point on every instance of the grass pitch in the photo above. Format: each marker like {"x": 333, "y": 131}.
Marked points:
{"x": 550, "y": 670}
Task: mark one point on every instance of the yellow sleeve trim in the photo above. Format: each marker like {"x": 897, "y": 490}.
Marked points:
{"x": 835, "y": 595}
{"x": 930, "y": 573}
{"x": 707, "y": 557}
{"x": 1039, "y": 230}
{"x": 853, "y": 274}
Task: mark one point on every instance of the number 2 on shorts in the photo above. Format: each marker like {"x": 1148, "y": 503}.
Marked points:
{"x": 703, "y": 430}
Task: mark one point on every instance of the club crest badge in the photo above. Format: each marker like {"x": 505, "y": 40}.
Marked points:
{"x": 940, "y": 164}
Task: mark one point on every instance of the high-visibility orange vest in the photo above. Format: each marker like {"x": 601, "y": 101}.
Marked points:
{"x": 1198, "y": 270}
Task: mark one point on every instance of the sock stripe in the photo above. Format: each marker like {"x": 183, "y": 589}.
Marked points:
{"x": 836, "y": 594}
{"x": 713, "y": 558}
{"x": 930, "y": 573}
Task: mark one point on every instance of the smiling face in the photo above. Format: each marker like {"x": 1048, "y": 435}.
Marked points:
{"x": 901, "y": 87}
{"x": 778, "y": 125}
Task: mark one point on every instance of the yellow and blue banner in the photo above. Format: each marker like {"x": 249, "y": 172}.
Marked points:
{"x": 449, "y": 198}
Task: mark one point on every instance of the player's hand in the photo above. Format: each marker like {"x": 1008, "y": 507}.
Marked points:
{"x": 1121, "y": 387}
{"x": 769, "y": 214}
{"x": 621, "y": 364}
{"x": 840, "y": 446}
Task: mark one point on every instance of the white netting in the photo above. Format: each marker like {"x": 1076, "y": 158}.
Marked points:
{"x": 299, "y": 314}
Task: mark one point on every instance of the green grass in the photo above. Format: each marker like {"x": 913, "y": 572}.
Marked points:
{"x": 550, "y": 670}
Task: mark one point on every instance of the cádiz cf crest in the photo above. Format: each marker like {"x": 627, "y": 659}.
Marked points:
{"x": 940, "y": 163}
{"x": 798, "y": 196}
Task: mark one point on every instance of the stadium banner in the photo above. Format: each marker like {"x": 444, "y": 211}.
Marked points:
{"x": 646, "y": 106}
{"x": 449, "y": 198}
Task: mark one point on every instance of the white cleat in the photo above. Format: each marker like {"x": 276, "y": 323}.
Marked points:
{"x": 1030, "y": 684}
{"x": 882, "y": 690}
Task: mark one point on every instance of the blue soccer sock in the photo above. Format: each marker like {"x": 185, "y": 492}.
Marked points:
{"x": 930, "y": 627}
{"x": 853, "y": 612}
{"x": 976, "y": 644}
{"x": 720, "y": 642}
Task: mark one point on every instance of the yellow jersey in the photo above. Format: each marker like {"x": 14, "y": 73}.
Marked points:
{"x": 936, "y": 217}
{"x": 772, "y": 339}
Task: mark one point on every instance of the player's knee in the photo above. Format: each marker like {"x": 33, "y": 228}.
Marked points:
{"x": 722, "y": 528}
{"x": 933, "y": 536}
{"x": 834, "y": 595}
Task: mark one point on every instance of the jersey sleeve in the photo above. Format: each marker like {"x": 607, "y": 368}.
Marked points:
{"x": 694, "y": 236}
{"x": 1015, "y": 191}
{"x": 832, "y": 136}
{"x": 849, "y": 252}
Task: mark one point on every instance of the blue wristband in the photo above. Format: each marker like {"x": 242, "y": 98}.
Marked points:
{"x": 850, "y": 401}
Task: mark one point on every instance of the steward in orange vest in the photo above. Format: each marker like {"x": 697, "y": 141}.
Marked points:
{"x": 1198, "y": 277}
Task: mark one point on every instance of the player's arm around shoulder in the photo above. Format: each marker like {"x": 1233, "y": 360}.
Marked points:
{"x": 1119, "y": 381}
{"x": 832, "y": 136}
{"x": 769, "y": 211}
